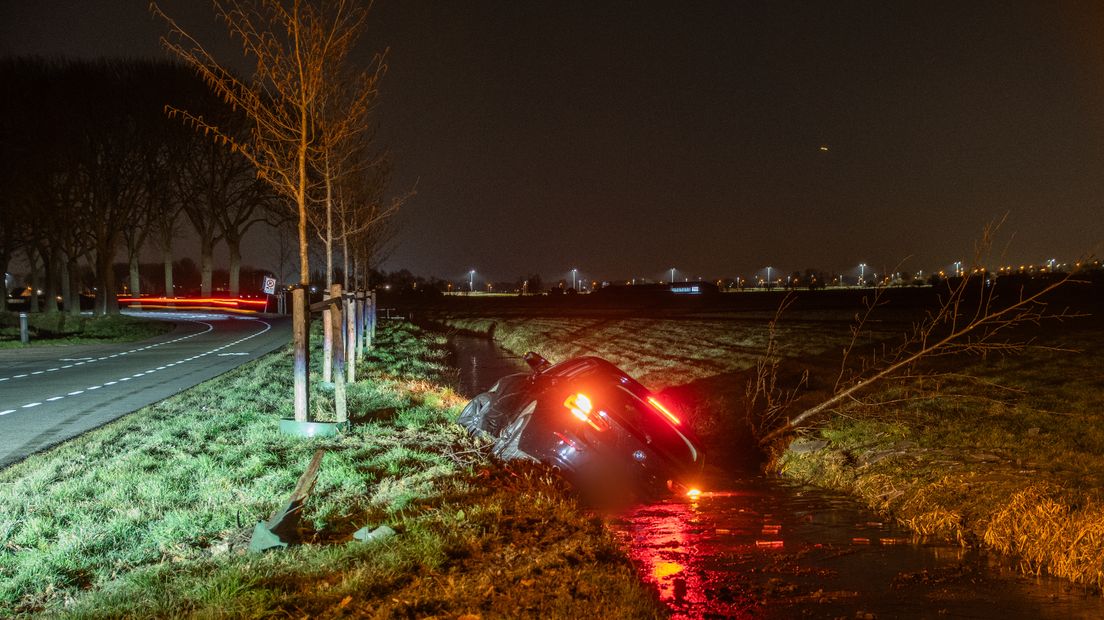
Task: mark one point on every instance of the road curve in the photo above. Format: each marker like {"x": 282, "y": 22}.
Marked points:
{"x": 51, "y": 394}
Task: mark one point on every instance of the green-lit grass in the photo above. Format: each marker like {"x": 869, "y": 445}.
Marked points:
{"x": 149, "y": 516}
{"x": 62, "y": 329}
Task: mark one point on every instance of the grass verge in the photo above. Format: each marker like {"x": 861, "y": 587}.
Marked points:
{"x": 1017, "y": 468}
{"x": 62, "y": 329}
{"x": 150, "y": 515}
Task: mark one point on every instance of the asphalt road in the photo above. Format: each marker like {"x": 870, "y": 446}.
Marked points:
{"x": 51, "y": 394}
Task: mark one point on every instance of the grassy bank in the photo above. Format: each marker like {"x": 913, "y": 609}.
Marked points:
{"x": 1017, "y": 468}
{"x": 150, "y": 515}
{"x": 61, "y": 329}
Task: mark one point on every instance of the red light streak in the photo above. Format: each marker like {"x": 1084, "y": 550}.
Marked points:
{"x": 199, "y": 303}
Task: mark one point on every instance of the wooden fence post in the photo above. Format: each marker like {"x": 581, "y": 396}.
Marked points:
{"x": 327, "y": 340}
{"x": 337, "y": 350}
{"x": 300, "y": 316}
{"x": 350, "y": 337}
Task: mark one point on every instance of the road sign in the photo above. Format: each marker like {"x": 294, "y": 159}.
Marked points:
{"x": 269, "y": 285}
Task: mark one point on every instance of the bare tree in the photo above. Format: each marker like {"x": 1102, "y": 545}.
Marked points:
{"x": 292, "y": 44}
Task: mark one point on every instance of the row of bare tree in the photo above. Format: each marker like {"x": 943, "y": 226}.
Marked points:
{"x": 93, "y": 167}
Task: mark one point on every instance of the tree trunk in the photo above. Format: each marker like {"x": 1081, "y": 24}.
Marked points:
{"x": 345, "y": 254}
{"x": 300, "y": 313}
{"x": 235, "y": 265}
{"x": 66, "y": 285}
{"x": 167, "y": 259}
{"x": 329, "y": 226}
{"x": 135, "y": 276}
{"x": 106, "y": 300}
{"x": 4, "y": 259}
{"x": 74, "y": 299}
{"x": 32, "y": 258}
{"x": 50, "y": 272}
{"x": 206, "y": 261}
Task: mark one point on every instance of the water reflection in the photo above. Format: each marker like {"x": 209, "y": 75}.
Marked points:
{"x": 773, "y": 549}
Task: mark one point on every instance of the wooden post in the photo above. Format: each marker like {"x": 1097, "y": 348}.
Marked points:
{"x": 372, "y": 320}
{"x": 283, "y": 526}
{"x": 350, "y": 338}
{"x": 299, "y": 333}
{"x": 360, "y": 323}
{"x": 337, "y": 333}
{"x": 327, "y": 342}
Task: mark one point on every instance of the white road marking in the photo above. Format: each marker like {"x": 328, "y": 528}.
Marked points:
{"x": 210, "y": 327}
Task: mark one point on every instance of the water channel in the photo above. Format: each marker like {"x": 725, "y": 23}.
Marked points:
{"x": 757, "y": 546}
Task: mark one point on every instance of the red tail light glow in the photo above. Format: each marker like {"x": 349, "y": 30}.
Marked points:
{"x": 580, "y": 406}
{"x": 660, "y": 408}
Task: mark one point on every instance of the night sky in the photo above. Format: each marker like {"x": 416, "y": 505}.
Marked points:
{"x": 626, "y": 138}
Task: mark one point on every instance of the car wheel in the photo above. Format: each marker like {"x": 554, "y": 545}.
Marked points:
{"x": 506, "y": 448}
{"x": 474, "y": 415}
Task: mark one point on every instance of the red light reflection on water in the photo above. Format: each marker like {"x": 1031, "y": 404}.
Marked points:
{"x": 662, "y": 545}
{"x": 679, "y": 550}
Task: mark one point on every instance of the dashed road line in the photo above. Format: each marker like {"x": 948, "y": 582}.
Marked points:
{"x": 90, "y": 388}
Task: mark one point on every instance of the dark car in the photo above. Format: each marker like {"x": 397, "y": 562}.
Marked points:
{"x": 603, "y": 430}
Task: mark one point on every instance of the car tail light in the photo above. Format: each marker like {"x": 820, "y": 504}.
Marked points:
{"x": 660, "y": 408}
{"x": 580, "y": 406}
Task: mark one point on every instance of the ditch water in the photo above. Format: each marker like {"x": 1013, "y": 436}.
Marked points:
{"x": 764, "y": 547}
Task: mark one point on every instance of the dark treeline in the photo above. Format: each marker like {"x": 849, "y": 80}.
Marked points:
{"x": 92, "y": 171}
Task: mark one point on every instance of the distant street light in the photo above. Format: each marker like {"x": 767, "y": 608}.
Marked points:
{"x": 574, "y": 283}
{"x": 471, "y": 281}
{"x": 672, "y": 275}
{"x": 768, "y": 277}
{"x": 862, "y": 274}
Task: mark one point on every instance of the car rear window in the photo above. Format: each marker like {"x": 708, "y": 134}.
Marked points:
{"x": 620, "y": 402}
